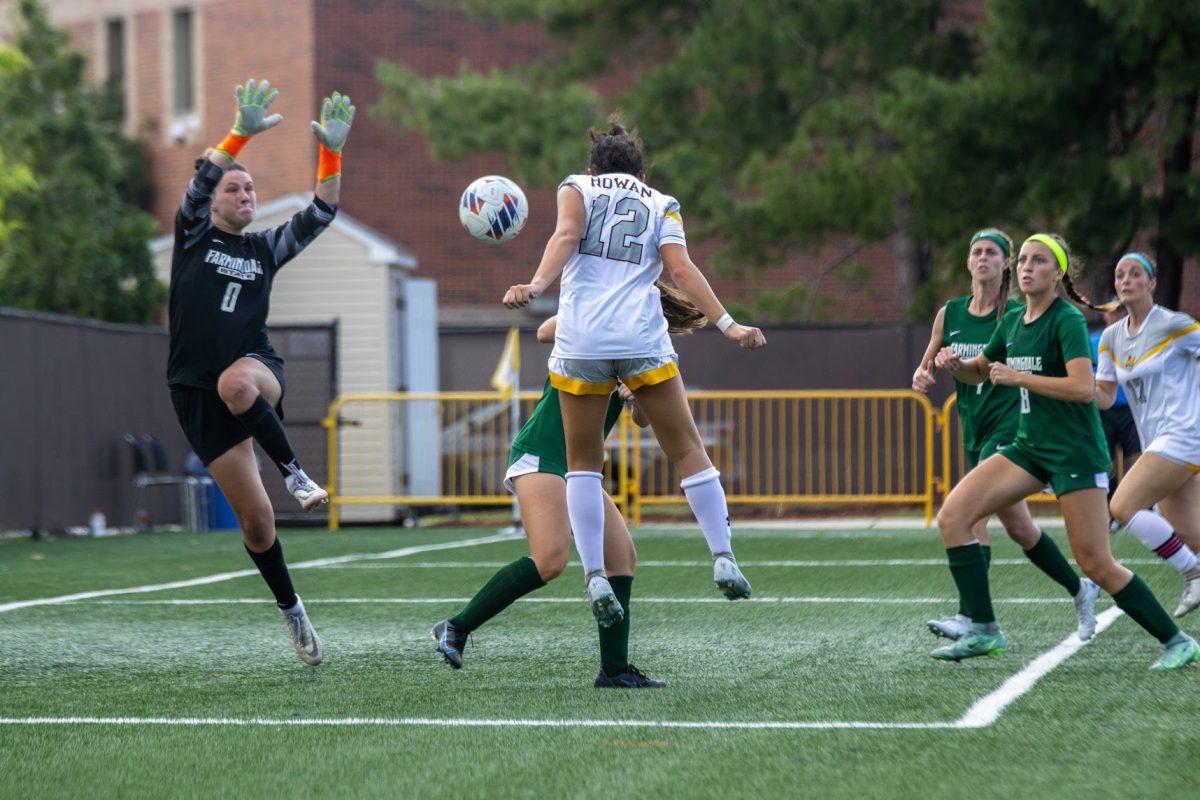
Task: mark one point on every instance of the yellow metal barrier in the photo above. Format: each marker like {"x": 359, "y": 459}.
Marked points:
{"x": 802, "y": 447}
{"x": 442, "y": 448}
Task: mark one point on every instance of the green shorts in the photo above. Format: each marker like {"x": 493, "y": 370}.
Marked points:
{"x": 522, "y": 463}
{"x": 991, "y": 445}
{"x": 1060, "y": 482}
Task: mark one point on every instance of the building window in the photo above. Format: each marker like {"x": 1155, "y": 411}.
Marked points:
{"x": 184, "y": 61}
{"x": 114, "y": 49}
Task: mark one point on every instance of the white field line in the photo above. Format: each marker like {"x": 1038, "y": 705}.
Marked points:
{"x": 404, "y": 722}
{"x": 836, "y": 523}
{"x": 987, "y": 709}
{"x": 983, "y": 713}
{"x": 243, "y": 573}
{"x": 852, "y": 562}
{"x": 313, "y": 602}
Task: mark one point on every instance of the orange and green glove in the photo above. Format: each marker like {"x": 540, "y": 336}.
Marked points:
{"x": 337, "y": 115}
{"x": 252, "y": 104}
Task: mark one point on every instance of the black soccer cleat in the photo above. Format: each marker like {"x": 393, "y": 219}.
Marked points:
{"x": 629, "y": 678}
{"x": 451, "y": 641}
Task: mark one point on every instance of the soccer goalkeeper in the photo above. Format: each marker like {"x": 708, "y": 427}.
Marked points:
{"x": 226, "y": 380}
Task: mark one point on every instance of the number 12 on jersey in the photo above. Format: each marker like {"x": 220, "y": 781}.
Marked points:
{"x": 623, "y": 242}
{"x": 229, "y": 301}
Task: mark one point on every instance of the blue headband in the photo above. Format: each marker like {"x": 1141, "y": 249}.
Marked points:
{"x": 1139, "y": 257}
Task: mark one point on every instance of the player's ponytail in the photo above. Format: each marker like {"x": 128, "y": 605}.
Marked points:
{"x": 1069, "y": 285}
{"x": 1010, "y": 251}
{"x": 1002, "y": 299}
{"x": 616, "y": 150}
{"x": 682, "y": 316}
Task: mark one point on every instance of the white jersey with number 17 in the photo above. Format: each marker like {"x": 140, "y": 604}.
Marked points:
{"x": 1158, "y": 369}
{"x": 608, "y": 306}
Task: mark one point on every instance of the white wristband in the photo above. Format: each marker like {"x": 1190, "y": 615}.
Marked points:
{"x": 724, "y": 322}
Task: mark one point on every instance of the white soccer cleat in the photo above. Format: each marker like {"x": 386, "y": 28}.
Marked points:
{"x": 307, "y": 493}
{"x": 603, "y": 600}
{"x": 1085, "y": 609}
{"x": 729, "y": 578}
{"x": 1191, "y": 592}
{"x": 304, "y": 638}
{"x": 954, "y": 628}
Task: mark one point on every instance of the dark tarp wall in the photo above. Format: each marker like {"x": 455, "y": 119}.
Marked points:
{"x": 70, "y": 390}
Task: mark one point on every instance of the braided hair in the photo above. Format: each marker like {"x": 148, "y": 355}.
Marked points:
{"x": 1069, "y": 285}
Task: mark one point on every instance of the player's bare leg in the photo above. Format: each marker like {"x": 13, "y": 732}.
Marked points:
{"x": 583, "y": 426}
{"x": 1181, "y": 508}
{"x": 1152, "y": 480}
{"x": 665, "y": 406}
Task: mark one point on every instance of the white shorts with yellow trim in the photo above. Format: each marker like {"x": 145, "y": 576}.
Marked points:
{"x": 600, "y": 375}
{"x": 1178, "y": 449}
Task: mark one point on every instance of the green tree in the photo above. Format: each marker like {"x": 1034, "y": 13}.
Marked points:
{"x": 1081, "y": 118}
{"x": 76, "y": 245}
{"x": 14, "y": 178}
{"x": 783, "y": 124}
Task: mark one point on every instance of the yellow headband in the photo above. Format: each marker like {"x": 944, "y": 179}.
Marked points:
{"x": 1060, "y": 255}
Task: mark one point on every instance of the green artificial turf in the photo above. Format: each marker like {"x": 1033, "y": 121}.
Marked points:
{"x": 1099, "y": 725}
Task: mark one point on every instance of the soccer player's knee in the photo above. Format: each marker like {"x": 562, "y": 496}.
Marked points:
{"x": 236, "y": 388}
{"x": 551, "y": 565}
{"x": 258, "y": 525}
{"x": 1099, "y": 567}
{"x": 1121, "y": 509}
{"x": 948, "y": 518}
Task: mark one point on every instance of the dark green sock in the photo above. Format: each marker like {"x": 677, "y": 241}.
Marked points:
{"x": 508, "y": 584}
{"x": 614, "y": 640}
{"x": 987, "y": 564}
{"x": 970, "y": 572}
{"x": 1049, "y": 559}
{"x": 1143, "y": 607}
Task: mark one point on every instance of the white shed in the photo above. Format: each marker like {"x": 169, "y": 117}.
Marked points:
{"x": 386, "y": 336}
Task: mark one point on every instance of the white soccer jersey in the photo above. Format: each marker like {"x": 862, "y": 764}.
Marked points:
{"x": 608, "y": 306}
{"x": 1158, "y": 369}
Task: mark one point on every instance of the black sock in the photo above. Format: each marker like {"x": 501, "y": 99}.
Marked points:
{"x": 263, "y": 424}
{"x": 275, "y": 573}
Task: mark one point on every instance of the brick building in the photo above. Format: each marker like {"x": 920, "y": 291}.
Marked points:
{"x": 182, "y": 59}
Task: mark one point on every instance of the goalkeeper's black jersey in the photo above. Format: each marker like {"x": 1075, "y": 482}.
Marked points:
{"x": 221, "y": 283}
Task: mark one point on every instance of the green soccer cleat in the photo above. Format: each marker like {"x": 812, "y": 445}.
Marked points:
{"x": 971, "y": 646}
{"x": 1178, "y": 653}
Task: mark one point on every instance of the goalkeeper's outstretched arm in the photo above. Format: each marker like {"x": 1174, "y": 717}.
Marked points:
{"x": 337, "y": 115}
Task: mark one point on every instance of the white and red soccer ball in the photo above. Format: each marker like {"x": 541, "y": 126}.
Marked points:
{"x": 493, "y": 209}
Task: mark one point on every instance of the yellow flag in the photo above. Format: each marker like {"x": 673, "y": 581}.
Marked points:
{"x": 509, "y": 364}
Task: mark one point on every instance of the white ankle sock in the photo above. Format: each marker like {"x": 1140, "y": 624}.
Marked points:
{"x": 707, "y": 499}
{"x": 585, "y": 507}
{"x": 1158, "y": 535}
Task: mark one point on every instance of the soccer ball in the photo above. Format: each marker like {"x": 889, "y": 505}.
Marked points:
{"x": 493, "y": 209}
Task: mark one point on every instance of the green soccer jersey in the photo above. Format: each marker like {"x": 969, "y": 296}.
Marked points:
{"x": 1063, "y": 436}
{"x": 542, "y": 434}
{"x": 987, "y": 411}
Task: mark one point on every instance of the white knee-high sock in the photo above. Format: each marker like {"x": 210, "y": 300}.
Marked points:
{"x": 585, "y": 507}
{"x": 707, "y": 499}
{"x": 1157, "y": 534}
